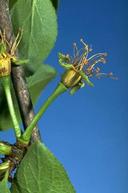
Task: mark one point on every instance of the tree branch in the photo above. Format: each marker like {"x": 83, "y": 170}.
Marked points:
{"x": 18, "y": 74}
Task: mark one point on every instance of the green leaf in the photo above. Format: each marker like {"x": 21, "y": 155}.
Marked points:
{"x": 11, "y": 3}
{"x": 36, "y": 83}
{"x": 38, "y": 20}
{"x": 55, "y": 3}
{"x": 3, "y": 185}
{"x": 41, "y": 172}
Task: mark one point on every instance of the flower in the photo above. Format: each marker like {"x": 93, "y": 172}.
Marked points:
{"x": 81, "y": 67}
{"x": 8, "y": 53}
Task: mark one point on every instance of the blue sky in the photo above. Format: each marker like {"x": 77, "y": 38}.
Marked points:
{"x": 88, "y": 131}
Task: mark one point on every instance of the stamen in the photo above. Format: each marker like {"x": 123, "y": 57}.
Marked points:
{"x": 111, "y": 75}
{"x": 105, "y": 75}
{"x": 90, "y": 48}
{"x": 82, "y": 41}
{"x": 84, "y": 62}
{"x": 86, "y": 48}
{"x": 75, "y": 50}
{"x": 4, "y": 36}
{"x": 97, "y": 55}
{"x": 1, "y": 37}
{"x": 17, "y": 41}
{"x": 102, "y": 60}
{"x": 97, "y": 70}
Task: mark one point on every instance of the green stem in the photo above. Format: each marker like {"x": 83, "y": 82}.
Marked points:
{"x": 58, "y": 91}
{"x": 6, "y": 85}
{"x": 4, "y": 166}
{"x": 5, "y": 149}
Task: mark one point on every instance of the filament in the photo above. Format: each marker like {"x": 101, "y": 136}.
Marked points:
{"x": 75, "y": 50}
{"x": 86, "y": 48}
{"x": 97, "y": 55}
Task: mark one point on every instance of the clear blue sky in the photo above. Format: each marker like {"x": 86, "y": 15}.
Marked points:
{"x": 88, "y": 132}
